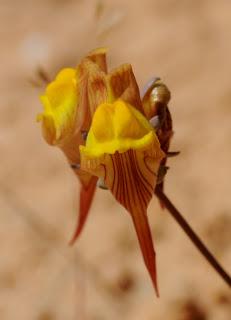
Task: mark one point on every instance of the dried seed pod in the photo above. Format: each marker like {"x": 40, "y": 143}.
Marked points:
{"x": 155, "y": 104}
{"x": 155, "y": 99}
{"x": 156, "y": 96}
{"x": 159, "y": 94}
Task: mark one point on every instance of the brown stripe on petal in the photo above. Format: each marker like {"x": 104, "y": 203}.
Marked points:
{"x": 133, "y": 178}
{"x": 146, "y": 184}
{"x": 137, "y": 185}
{"x": 126, "y": 181}
{"x": 146, "y": 174}
{"x": 98, "y": 56}
{"x": 97, "y": 90}
{"x": 93, "y": 91}
{"x": 83, "y": 121}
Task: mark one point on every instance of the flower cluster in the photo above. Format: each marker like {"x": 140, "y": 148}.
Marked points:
{"x": 110, "y": 137}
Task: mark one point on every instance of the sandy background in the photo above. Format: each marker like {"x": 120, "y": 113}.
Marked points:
{"x": 186, "y": 43}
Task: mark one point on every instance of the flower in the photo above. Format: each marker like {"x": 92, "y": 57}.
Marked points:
{"x": 127, "y": 158}
{"x": 69, "y": 102}
{"x": 99, "y": 122}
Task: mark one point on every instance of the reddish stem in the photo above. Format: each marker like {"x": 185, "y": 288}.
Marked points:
{"x": 192, "y": 235}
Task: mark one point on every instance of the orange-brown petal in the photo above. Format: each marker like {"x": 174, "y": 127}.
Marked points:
{"x": 131, "y": 177}
{"x": 123, "y": 86}
{"x": 93, "y": 91}
{"x": 98, "y": 56}
{"x": 85, "y": 201}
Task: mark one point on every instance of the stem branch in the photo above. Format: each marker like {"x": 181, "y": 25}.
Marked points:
{"x": 192, "y": 235}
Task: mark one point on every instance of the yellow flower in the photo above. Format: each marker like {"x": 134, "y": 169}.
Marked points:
{"x": 60, "y": 107}
{"x": 123, "y": 150}
{"x": 69, "y": 103}
{"x": 97, "y": 119}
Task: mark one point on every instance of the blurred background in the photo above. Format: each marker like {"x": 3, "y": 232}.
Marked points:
{"x": 187, "y": 43}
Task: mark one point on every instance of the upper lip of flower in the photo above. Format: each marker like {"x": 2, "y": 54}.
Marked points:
{"x": 126, "y": 129}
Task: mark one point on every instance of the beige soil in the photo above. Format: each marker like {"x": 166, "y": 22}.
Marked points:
{"x": 186, "y": 43}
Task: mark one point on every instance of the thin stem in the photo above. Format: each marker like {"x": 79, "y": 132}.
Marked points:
{"x": 192, "y": 235}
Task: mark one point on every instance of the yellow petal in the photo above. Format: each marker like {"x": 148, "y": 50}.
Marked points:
{"x": 60, "y": 107}
{"x": 117, "y": 127}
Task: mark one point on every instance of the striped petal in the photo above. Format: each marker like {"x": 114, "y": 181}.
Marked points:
{"x": 127, "y": 156}
{"x": 98, "y": 56}
{"x": 93, "y": 91}
{"x": 123, "y": 86}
